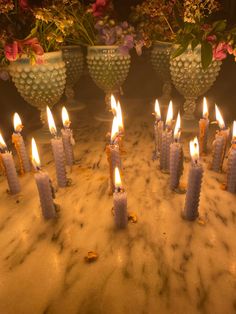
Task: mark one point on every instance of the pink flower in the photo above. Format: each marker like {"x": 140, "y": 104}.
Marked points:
{"x": 211, "y": 38}
{"x": 24, "y": 5}
{"x": 220, "y": 51}
{"x": 11, "y": 51}
{"x": 32, "y": 43}
{"x": 99, "y": 7}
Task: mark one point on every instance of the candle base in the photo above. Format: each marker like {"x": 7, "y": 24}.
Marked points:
{"x": 185, "y": 216}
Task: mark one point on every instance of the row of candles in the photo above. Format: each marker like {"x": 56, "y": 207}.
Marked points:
{"x": 168, "y": 148}
{"x": 167, "y": 145}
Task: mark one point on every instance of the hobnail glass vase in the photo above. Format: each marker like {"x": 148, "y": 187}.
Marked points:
{"x": 191, "y": 80}
{"x": 40, "y": 84}
{"x": 108, "y": 69}
{"x": 74, "y": 61}
{"x": 160, "y": 60}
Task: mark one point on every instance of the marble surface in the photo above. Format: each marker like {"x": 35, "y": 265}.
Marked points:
{"x": 161, "y": 264}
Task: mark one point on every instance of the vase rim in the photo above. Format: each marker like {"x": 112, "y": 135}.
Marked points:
{"x": 167, "y": 43}
{"x": 103, "y": 47}
{"x": 45, "y": 56}
{"x": 71, "y": 47}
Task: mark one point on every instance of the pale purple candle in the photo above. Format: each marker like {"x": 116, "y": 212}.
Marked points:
{"x": 158, "y": 128}
{"x": 18, "y": 141}
{"x": 176, "y": 158}
{"x": 58, "y": 152}
{"x": 67, "y": 138}
{"x": 231, "y": 166}
{"x": 44, "y": 186}
{"x": 9, "y": 165}
{"x": 166, "y": 140}
{"x": 190, "y": 211}
{"x": 120, "y": 203}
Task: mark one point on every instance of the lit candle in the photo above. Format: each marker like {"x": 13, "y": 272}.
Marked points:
{"x": 10, "y": 169}
{"x": 113, "y": 105}
{"x": 44, "y": 186}
{"x": 113, "y": 152}
{"x": 176, "y": 157}
{"x": 203, "y": 129}
{"x": 18, "y": 141}
{"x": 166, "y": 140}
{"x": 67, "y": 138}
{"x": 58, "y": 152}
{"x": 120, "y": 119}
{"x": 158, "y": 129}
{"x": 231, "y": 166}
{"x": 120, "y": 202}
{"x": 190, "y": 211}
{"x": 219, "y": 143}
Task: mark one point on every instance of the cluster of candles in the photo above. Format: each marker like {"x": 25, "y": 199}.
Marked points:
{"x": 62, "y": 147}
{"x": 169, "y": 149}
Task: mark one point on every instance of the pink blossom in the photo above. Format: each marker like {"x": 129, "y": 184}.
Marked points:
{"x": 11, "y": 51}
{"x": 24, "y": 5}
{"x": 211, "y": 38}
{"x": 220, "y": 51}
{"x": 99, "y": 7}
{"x": 33, "y": 43}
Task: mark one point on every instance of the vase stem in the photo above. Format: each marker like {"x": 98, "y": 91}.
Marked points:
{"x": 189, "y": 108}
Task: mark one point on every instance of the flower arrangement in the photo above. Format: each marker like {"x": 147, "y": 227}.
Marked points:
{"x": 155, "y": 20}
{"x": 199, "y": 27}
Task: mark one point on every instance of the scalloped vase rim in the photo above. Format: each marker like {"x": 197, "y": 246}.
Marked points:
{"x": 167, "y": 43}
{"x": 103, "y": 47}
{"x": 46, "y": 55}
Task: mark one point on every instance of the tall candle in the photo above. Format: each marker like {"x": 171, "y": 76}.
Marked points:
{"x": 176, "y": 157}
{"x": 166, "y": 140}
{"x": 203, "y": 129}
{"x": 10, "y": 169}
{"x": 219, "y": 143}
{"x": 158, "y": 128}
{"x": 113, "y": 153}
{"x": 18, "y": 141}
{"x": 231, "y": 166}
{"x": 120, "y": 202}
{"x": 67, "y": 138}
{"x": 58, "y": 152}
{"x": 190, "y": 211}
{"x": 44, "y": 186}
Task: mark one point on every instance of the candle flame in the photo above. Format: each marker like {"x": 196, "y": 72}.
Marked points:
{"x": 117, "y": 178}
{"x": 219, "y": 118}
{"x": 119, "y": 117}
{"x": 17, "y": 122}
{"x": 2, "y": 142}
{"x": 234, "y": 130}
{"x": 205, "y": 108}
{"x": 169, "y": 116}
{"x": 113, "y": 105}
{"x": 35, "y": 154}
{"x": 51, "y": 123}
{"x": 65, "y": 117}
{"x": 157, "y": 110}
{"x": 177, "y": 128}
{"x": 115, "y": 129}
{"x": 194, "y": 149}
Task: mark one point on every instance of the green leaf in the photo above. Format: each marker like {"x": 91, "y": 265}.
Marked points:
{"x": 219, "y": 26}
{"x": 179, "y": 51}
{"x": 206, "y": 54}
